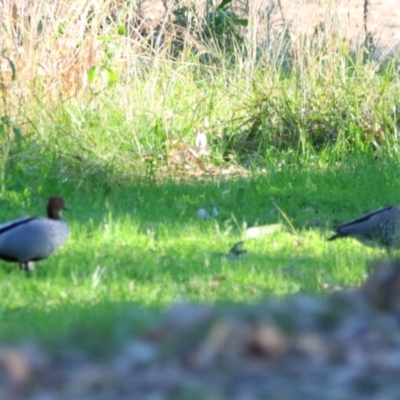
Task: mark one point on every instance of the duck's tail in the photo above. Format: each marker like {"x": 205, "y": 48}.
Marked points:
{"x": 335, "y": 236}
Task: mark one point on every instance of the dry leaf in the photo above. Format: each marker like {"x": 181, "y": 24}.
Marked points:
{"x": 16, "y": 365}
{"x": 263, "y": 230}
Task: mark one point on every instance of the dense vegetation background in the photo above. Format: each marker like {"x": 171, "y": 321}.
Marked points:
{"x": 93, "y": 89}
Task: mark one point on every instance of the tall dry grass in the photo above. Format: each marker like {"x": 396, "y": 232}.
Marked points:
{"x": 112, "y": 81}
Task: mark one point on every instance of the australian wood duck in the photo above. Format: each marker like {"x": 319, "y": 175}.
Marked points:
{"x": 30, "y": 239}
{"x": 380, "y": 227}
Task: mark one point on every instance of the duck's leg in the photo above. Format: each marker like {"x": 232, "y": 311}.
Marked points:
{"x": 27, "y": 266}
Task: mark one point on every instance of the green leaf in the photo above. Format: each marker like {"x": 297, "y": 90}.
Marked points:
{"x": 223, "y": 4}
{"x": 91, "y": 74}
{"x": 241, "y": 22}
{"x": 121, "y": 30}
{"x": 62, "y": 26}
{"x": 18, "y": 136}
{"x": 13, "y": 69}
{"x": 112, "y": 76}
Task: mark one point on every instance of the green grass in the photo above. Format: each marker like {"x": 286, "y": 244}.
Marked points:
{"x": 318, "y": 116}
{"x": 142, "y": 244}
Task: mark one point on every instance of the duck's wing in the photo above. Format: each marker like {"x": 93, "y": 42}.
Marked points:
{"x": 15, "y": 223}
{"x": 364, "y": 224}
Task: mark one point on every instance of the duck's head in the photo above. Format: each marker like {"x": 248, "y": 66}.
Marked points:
{"x": 54, "y": 207}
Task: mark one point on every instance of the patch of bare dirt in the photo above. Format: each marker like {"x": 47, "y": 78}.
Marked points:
{"x": 383, "y": 19}
{"x": 345, "y": 16}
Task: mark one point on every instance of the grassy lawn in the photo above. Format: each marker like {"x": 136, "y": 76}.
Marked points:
{"x": 143, "y": 244}
{"x": 108, "y": 117}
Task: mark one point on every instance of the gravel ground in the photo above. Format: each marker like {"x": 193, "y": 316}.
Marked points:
{"x": 343, "y": 345}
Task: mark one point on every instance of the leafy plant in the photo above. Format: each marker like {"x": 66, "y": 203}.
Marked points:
{"x": 224, "y": 26}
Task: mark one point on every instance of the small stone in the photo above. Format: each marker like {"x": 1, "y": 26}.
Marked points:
{"x": 203, "y": 214}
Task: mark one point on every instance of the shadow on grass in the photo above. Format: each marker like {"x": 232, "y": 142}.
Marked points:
{"x": 315, "y": 195}
{"x": 110, "y": 310}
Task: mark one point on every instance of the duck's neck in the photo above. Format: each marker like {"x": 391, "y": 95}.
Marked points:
{"x": 53, "y": 214}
